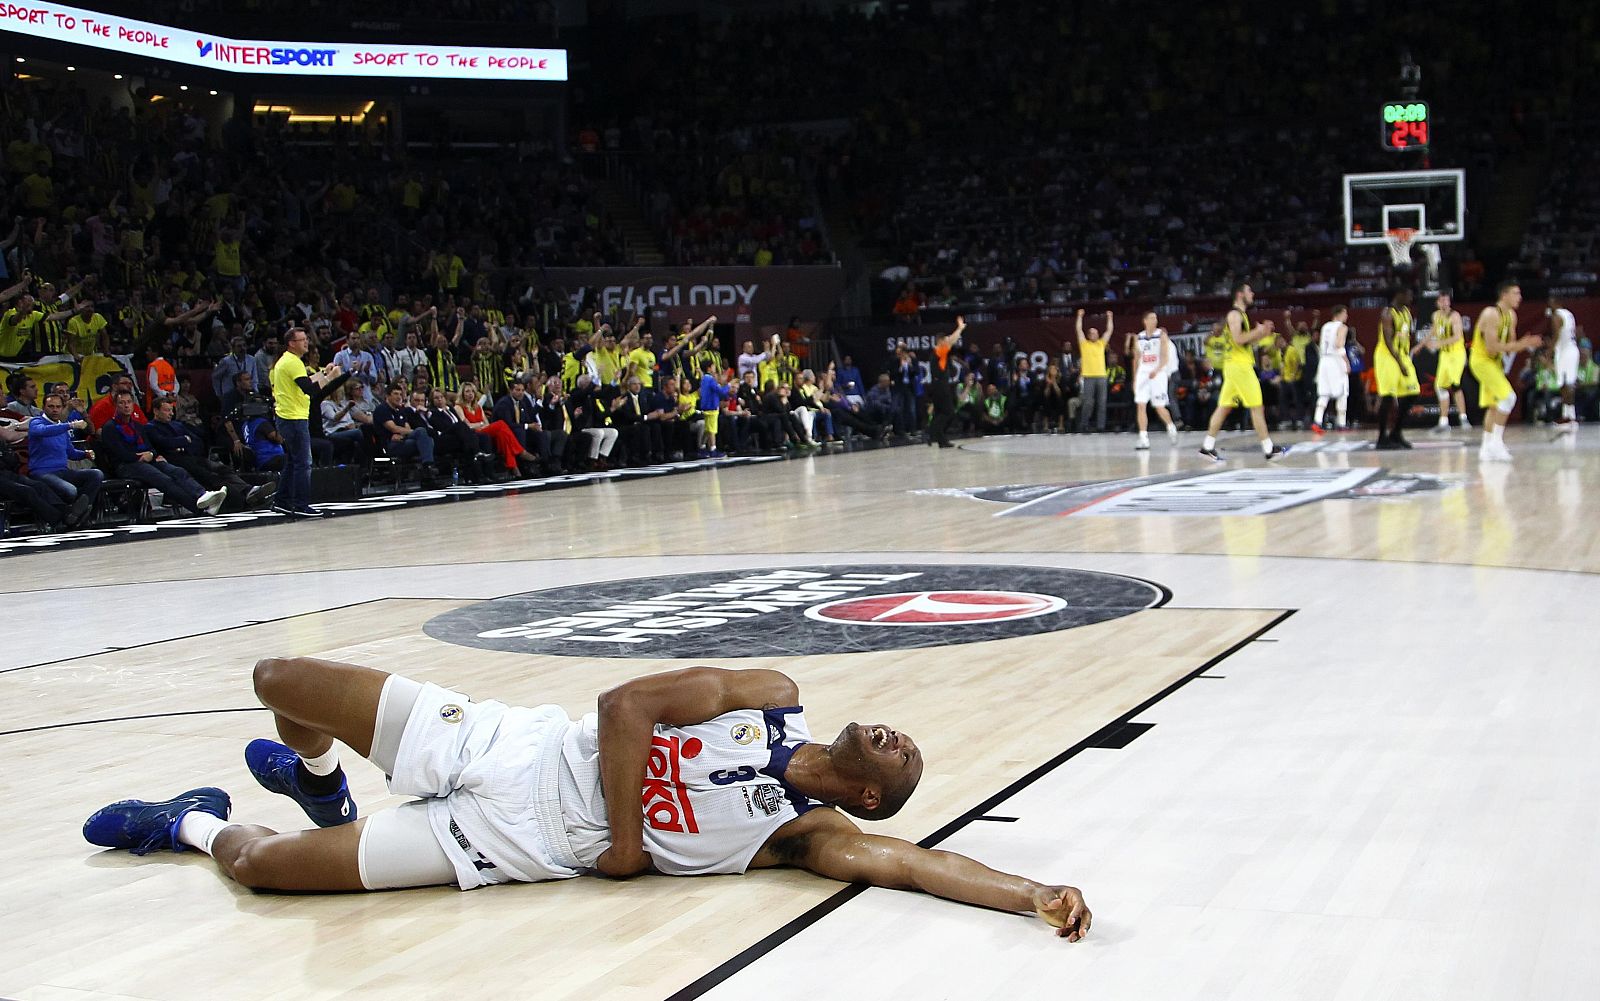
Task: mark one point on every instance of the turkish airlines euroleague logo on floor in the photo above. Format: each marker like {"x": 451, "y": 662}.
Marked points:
{"x": 937, "y": 608}
{"x": 787, "y": 612}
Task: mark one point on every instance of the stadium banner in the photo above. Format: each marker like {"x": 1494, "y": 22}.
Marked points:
{"x": 203, "y": 50}
{"x": 89, "y": 379}
{"x": 759, "y": 300}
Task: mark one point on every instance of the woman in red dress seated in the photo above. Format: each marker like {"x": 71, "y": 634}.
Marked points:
{"x": 470, "y": 409}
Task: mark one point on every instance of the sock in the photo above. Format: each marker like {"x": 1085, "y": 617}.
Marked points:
{"x": 1569, "y": 412}
{"x": 320, "y": 776}
{"x": 1344, "y": 402}
{"x": 325, "y": 763}
{"x": 1322, "y": 408}
{"x": 1444, "y": 410}
{"x": 1210, "y": 444}
{"x": 198, "y": 829}
{"x": 1498, "y": 432}
{"x": 1266, "y": 445}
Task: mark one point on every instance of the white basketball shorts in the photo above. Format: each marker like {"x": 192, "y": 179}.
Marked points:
{"x": 1332, "y": 380}
{"x": 1567, "y": 364}
{"x": 1150, "y": 387}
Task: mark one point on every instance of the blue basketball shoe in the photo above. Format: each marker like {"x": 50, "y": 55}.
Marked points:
{"x": 143, "y": 827}
{"x": 274, "y": 766}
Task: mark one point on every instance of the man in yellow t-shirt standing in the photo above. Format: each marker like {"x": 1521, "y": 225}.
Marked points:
{"x": 1092, "y": 374}
{"x": 291, "y": 397}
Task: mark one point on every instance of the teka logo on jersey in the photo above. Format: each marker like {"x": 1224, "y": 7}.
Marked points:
{"x": 790, "y": 612}
{"x": 666, "y": 798}
{"x": 937, "y": 608}
{"x": 235, "y": 54}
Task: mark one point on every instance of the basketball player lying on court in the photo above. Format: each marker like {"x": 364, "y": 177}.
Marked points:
{"x": 721, "y": 762}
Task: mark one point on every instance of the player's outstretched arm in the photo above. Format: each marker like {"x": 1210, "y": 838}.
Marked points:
{"x": 830, "y": 845}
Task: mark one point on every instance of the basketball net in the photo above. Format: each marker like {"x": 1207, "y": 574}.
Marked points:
{"x": 1400, "y": 242}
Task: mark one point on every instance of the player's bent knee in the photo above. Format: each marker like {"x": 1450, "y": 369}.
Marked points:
{"x": 270, "y": 678}
{"x": 1508, "y": 404}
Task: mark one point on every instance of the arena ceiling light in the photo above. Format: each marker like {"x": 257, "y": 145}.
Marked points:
{"x": 279, "y": 57}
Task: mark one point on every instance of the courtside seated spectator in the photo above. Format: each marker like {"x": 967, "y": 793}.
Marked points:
{"x": 51, "y": 448}
{"x": 128, "y": 454}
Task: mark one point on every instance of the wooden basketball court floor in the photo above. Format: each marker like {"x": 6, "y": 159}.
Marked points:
{"x": 1352, "y": 755}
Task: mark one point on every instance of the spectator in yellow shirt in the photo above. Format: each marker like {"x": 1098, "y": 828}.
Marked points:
{"x": 1092, "y": 373}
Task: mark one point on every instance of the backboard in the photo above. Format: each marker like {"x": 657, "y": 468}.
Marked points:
{"x": 1432, "y": 202}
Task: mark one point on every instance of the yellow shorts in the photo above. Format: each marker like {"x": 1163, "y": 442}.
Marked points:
{"x": 1240, "y": 387}
{"x": 711, "y": 420}
{"x": 1395, "y": 378}
{"x": 1452, "y": 362}
{"x": 1493, "y": 386}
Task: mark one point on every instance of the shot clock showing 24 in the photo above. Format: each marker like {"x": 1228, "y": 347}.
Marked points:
{"x": 1406, "y": 126}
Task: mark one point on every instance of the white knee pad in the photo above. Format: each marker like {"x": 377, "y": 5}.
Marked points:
{"x": 1508, "y": 404}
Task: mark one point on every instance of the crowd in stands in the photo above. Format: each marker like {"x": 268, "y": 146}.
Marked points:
{"x": 1000, "y": 152}
{"x": 960, "y": 146}
{"x": 1562, "y": 242}
{"x": 1078, "y": 218}
{"x": 485, "y": 401}
{"x": 319, "y": 11}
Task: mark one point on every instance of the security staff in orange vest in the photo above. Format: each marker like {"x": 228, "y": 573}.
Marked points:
{"x": 161, "y": 382}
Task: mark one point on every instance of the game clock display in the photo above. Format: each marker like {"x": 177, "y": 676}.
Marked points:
{"x": 1405, "y": 126}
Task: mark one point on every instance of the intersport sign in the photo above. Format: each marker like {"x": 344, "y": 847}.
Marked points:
{"x": 278, "y": 57}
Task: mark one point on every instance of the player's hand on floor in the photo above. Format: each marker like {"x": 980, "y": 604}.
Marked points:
{"x": 1063, "y": 908}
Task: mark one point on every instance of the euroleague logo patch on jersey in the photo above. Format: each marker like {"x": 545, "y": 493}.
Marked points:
{"x": 781, "y": 612}
{"x": 937, "y": 608}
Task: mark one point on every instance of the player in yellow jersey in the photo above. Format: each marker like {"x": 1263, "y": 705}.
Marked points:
{"x": 1494, "y": 337}
{"x": 1446, "y": 336}
{"x": 1240, "y": 387}
{"x": 1396, "y": 375}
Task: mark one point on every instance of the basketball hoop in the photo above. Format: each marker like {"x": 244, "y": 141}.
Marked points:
{"x": 1400, "y": 241}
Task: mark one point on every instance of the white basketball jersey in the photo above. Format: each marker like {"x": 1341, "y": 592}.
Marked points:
{"x": 1149, "y": 348}
{"x": 713, "y": 792}
{"x": 1568, "y": 337}
{"x": 1329, "y": 344}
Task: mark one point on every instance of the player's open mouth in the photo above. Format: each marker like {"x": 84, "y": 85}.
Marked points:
{"x": 880, "y": 737}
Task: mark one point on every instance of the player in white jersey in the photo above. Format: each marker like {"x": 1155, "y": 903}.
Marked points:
{"x": 1333, "y": 370}
{"x": 1154, "y": 361}
{"x": 717, "y": 767}
{"x": 1564, "y": 336}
